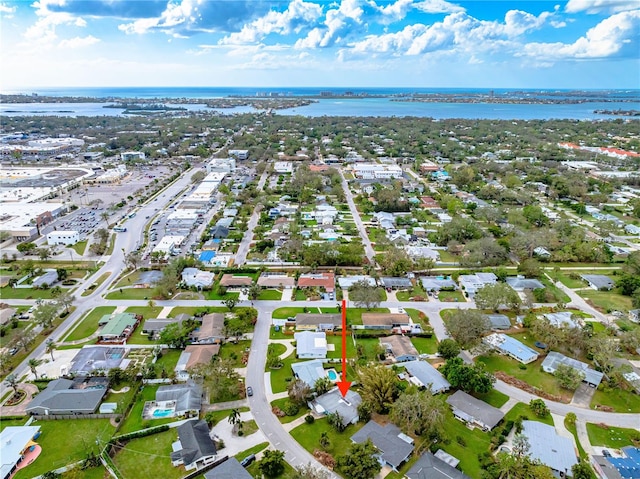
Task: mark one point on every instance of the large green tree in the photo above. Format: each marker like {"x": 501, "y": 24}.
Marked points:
{"x": 359, "y": 461}
{"x": 467, "y": 327}
{"x": 471, "y": 378}
{"x": 495, "y": 296}
{"x": 379, "y": 387}
{"x": 419, "y": 413}
{"x": 272, "y": 463}
{"x": 365, "y": 295}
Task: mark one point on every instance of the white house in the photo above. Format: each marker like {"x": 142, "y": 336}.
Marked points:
{"x": 283, "y": 167}
{"x": 63, "y": 237}
{"x": 198, "y": 278}
{"x": 169, "y": 245}
{"x": 374, "y": 171}
{"x": 311, "y": 345}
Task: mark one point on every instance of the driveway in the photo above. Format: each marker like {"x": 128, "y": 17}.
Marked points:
{"x": 583, "y": 395}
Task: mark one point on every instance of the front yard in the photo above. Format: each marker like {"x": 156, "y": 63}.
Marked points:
{"x": 613, "y": 437}
{"x": 607, "y": 301}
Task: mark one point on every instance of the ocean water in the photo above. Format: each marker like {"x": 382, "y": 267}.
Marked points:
{"x": 379, "y": 102}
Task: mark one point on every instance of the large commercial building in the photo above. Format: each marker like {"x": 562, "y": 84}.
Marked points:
{"x": 64, "y": 238}
{"x": 374, "y": 171}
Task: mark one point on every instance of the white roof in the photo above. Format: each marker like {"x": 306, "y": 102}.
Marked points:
{"x": 548, "y": 447}
{"x": 13, "y": 440}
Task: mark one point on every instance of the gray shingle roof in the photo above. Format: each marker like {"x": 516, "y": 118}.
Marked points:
{"x": 393, "y": 449}
{"x": 475, "y": 410}
{"x": 188, "y": 397}
{"x": 548, "y": 447}
{"x": 229, "y": 469}
{"x": 195, "y": 441}
{"x": 600, "y": 281}
{"x": 554, "y": 359}
{"x": 427, "y": 375}
{"x": 430, "y": 467}
{"x": 59, "y": 398}
{"x": 347, "y": 407}
{"x": 309, "y": 371}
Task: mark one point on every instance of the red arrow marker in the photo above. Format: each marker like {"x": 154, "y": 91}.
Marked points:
{"x": 344, "y": 385}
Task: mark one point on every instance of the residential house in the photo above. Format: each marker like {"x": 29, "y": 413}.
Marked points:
{"x": 229, "y": 469}
{"x": 634, "y": 315}
{"x": 276, "y": 280}
{"x": 471, "y": 283}
{"x": 333, "y": 402}
{"x": 474, "y": 411}
{"x": 186, "y": 397}
{"x": 318, "y": 322}
{"x": 599, "y": 282}
{"x": 438, "y": 283}
{"x": 520, "y": 283}
{"x": 498, "y": 321}
{"x": 206, "y": 257}
{"x": 6, "y": 315}
{"x": 542, "y": 252}
{"x": 420, "y": 252}
{"x": 562, "y": 318}
{"x": 511, "y": 347}
{"x": 153, "y": 327}
{"x": 400, "y": 347}
{"x": 96, "y": 359}
{"x": 390, "y": 282}
{"x": 428, "y": 203}
{"x": 45, "y": 280}
{"x": 311, "y": 345}
{"x": 66, "y": 396}
{"x": 194, "y": 448}
{"x": 424, "y": 375}
{"x": 117, "y": 328}
{"x": 219, "y": 231}
{"x": 429, "y": 466}
{"x": 554, "y": 359}
{"x": 192, "y": 355}
{"x": 394, "y": 447}
{"x": 309, "y": 371}
{"x": 551, "y": 449}
{"x": 632, "y": 229}
{"x": 385, "y": 320}
{"x": 211, "y": 330}
{"x": 235, "y": 281}
{"x": 345, "y": 282}
{"x": 625, "y": 467}
{"x": 194, "y": 277}
{"x": 324, "y": 281}
{"x": 16, "y": 442}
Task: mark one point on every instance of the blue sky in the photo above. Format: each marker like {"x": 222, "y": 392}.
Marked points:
{"x": 404, "y": 43}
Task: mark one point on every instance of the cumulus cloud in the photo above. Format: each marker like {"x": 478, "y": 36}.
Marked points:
{"x": 616, "y": 36}
{"x": 106, "y": 8}
{"x": 339, "y": 23}
{"x": 188, "y": 17}
{"x": 597, "y": 6}
{"x": 79, "y": 42}
{"x": 298, "y": 15}
{"x": 43, "y": 31}
{"x": 458, "y": 31}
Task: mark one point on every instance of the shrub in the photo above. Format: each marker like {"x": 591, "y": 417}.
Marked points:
{"x": 309, "y": 419}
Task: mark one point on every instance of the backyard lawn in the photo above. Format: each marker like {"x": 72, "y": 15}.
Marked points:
{"x": 79, "y": 437}
{"x": 134, "y": 421}
{"x": 425, "y": 345}
{"x": 493, "y": 397}
{"x": 234, "y": 351}
{"x": 613, "y": 437}
{"x": 607, "y": 300}
{"x": 532, "y": 373}
{"x": 154, "y": 452}
{"x": 308, "y": 434}
{"x": 451, "y": 296}
{"x": 286, "y": 419}
{"x": 279, "y": 376}
{"x": 89, "y": 324}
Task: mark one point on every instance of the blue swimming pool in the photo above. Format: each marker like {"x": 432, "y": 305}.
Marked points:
{"x": 332, "y": 374}
{"x": 162, "y": 412}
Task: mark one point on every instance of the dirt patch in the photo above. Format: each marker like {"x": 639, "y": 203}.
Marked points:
{"x": 520, "y": 384}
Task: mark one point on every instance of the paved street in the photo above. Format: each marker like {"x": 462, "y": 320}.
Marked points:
{"x": 368, "y": 249}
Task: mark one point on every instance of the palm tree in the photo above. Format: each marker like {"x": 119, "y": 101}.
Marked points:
{"x": 12, "y": 382}
{"x": 234, "y": 418}
{"x": 50, "y": 346}
{"x": 105, "y": 216}
{"x": 33, "y": 364}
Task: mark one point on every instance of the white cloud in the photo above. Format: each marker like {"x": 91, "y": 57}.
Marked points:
{"x": 597, "y": 6}
{"x": 557, "y": 24}
{"x": 298, "y": 15}
{"x": 437, "y": 6}
{"x": 339, "y": 22}
{"x": 43, "y": 32}
{"x": 613, "y": 36}
{"x": 79, "y": 42}
{"x": 7, "y": 11}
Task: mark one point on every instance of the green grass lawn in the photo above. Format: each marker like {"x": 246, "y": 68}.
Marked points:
{"x": 620, "y": 400}
{"x": 278, "y": 348}
{"x": 407, "y": 295}
{"x": 134, "y": 421}
{"x": 560, "y": 295}
{"x": 290, "y": 312}
{"x": 66, "y": 441}
{"x": 154, "y": 452}
{"x": 354, "y": 315}
{"x": 614, "y": 437}
{"x": 279, "y": 376}
{"x": 270, "y": 295}
{"x": 573, "y": 430}
{"x": 532, "y": 374}
{"x": 80, "y": 246}
{"x": 426, "y": 345}
{"x": 97, "y": 283}
{"x": 447, "y": 257}
{"x": 253, "y": 450}
{"x": 522, "y": 409}
{"x": 169, "y": 359}
{"x": 192, "y": 310}
{"x": 11, "y": 422}
{"x": 309, "y": 434}
{"x": 130, "y": 293}
{"x": 607, "y": 300}
{"x": 24, "y": 293}
{"x": 213, "y": 295}
{"x": 286, "y": 419}
{"x": 234, "y": 352}
{"x": 128, "y": 279}
{"x": 300, "y": 295}
{"x": 146, "y": 311}
{"x": 565, "y": 278}
{"x": 89, "y": 324}
{"x": 493, "y": 397}
{"x": 451, "y": 296}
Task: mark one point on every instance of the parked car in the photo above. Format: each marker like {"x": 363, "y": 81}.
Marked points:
{"x": 248, "y": 460}
{"x": 249, "y": 391}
